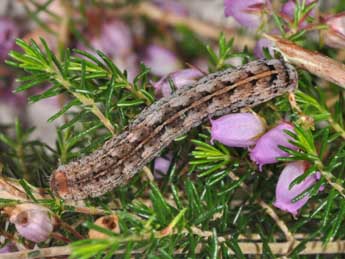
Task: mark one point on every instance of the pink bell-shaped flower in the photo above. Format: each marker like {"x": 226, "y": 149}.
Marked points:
{"x": 284, "y": 195}
{"x": 237, "y": 129}
{"x": 160, "y": 60}
{"x": 266, "y": 150}
{"x": 248, "y": 13}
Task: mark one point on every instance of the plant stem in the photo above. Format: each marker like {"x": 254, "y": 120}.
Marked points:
{"x": 138, "y": 94}
{"x": 248, "y": 248}
{"x": 331, "y": 180}
{"x": 86, "y": 101}
{"x": 336, "y": 126}
{"x": 21, "y": 161}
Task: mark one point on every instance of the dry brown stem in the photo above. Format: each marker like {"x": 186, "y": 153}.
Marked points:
{"x": 312, "y": 61}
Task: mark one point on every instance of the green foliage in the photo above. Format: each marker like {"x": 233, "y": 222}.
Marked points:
{"x": 219, "y": 60}
{"x": 25, "y": 158}
{"x": 99, "y": 94}
{"x": 209, "y": 200}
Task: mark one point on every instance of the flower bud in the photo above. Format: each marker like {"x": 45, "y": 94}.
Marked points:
{"x": 248, "y": 13}
{"x": 284, "y": 195}
{"x": 161, "y": 166}
{"x": 266, "y": 150}
{"x": 334, "y": 36}
{"x": 161, "y": 61}
{"x": 180, "y": 78}
{"x": 237, "y": 129}
{"x": 32, "y": 221}
{"x": 110, "y": 222}
{"x": 8, "y": 34}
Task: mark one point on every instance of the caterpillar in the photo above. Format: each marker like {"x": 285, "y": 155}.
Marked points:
{"x": 159, "y": 124}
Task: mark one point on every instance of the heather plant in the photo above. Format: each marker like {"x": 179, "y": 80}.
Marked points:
{"x": 262, "y": 182}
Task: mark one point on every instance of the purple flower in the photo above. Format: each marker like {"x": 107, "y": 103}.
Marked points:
{"x": 237, "y": 129}
{"x": 8, "y": 34}
{"x": 180, "y": 78}
{"x": 161, "y": 166}
{"x": 260, "y": 45}
{"x": 161, "y": 60}
{"x": 172, "y": 6}
{"x": 284, "y": 196}
{"x": 288, "y": 11}
{"x": 32, "y": 221}
{"x": 8, "y": 248}
{"x": 248, "y": 13}
{"x": 115, "y": 39}
{"x": 334, "y": 36}
{"x": 266, "y": 150}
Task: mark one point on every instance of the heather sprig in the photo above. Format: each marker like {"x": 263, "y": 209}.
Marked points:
{"x": 92, "y": 83}
{"x": 213, "y": 200}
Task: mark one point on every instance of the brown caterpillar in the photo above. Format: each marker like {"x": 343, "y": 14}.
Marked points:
{"x": 159, "y": 124}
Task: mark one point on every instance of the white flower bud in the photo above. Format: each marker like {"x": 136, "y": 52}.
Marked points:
{"x": 32, "y": 221}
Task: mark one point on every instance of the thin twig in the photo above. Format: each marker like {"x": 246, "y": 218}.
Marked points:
{"x": 69, "y": 228}
{"x": 248, "y": 237}
{"x": 85, "y": 101}
{"x": 248, "y": 248}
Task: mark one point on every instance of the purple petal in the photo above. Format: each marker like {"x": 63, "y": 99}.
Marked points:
{"x": 161, "y": 60}
{"x": 247, "y": 13}
{"x": 260, "y": 45}
{"x": 8, "y": 34}
{"x": 237, "y": 129}
{"x": 284, "y": 196}
{"x": 266, "y": 150}
{"x": 180, "y": 78}
{"x": 161, "y": 166}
